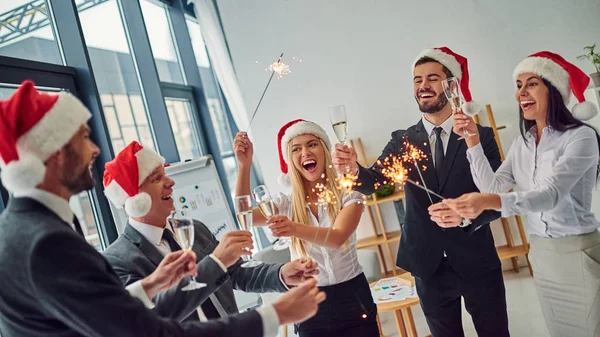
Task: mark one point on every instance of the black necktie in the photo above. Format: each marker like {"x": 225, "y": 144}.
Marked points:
{"x": 168, "y": 236}
{"x": 439, "y": 152}
{"x": 77, "y": 226}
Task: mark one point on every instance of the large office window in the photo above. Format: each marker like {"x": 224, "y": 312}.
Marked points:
{"x": 162, "y": 41}
{"x": 27, "y": 31}
{"x": 214, "y": 100}
{"x": 124, "y": 108}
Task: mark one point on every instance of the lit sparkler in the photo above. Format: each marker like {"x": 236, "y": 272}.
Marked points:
{"x": 394, "y": 169}
{"x": 281, "y": 69}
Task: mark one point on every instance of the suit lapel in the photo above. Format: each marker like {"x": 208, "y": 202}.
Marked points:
{"x": 420, "y": 139}
{"x": 453, "y": 145}
{"x": 144, "y": 245}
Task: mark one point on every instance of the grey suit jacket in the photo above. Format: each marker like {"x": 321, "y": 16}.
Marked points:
{"x": 54, "y": 284}
{"x": 133, "y": 257}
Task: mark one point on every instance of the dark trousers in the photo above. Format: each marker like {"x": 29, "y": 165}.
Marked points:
{"x": 484, "y": 297}
{"x": 348, "y": 311}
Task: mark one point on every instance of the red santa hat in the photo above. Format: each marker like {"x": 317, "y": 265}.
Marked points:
{"x": 124, "y": 175}
{"x": 566, "y": 77}
{"x": 287, "y": 132}
{"x": 33, "y": 126}
{"x": 457, "y": 64}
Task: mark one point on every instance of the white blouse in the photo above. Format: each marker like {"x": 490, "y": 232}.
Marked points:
{"x": 553, "y": 180}
{"x": 335, "y": 265}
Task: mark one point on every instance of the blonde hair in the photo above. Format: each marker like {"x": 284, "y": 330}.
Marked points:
{"x": 300, "y": 195}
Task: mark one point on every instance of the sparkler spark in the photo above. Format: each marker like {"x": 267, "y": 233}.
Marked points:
{"x": 325, "y": 196}
{"x": 394, "y": 168}
{"x": 280, "y": 68}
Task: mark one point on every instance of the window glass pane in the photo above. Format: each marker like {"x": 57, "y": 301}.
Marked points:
{"x": 82, "y": 208}
{"x": 230, "y": 165}
{"x": 161, "y": 41}
{"x": 27, "y": 31}
{"x": 182, "y": 123}
{"x": 211, "y": 89}
{"x": 198, "y": 44}
{"x": 115, "y": 74}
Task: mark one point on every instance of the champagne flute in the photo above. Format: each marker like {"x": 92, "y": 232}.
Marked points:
{"x": 267, "y": 208}
{"x": 337, "y": 116}
{"x": 451, "y": 87}
{"x": 184, "y": 232}
{"x": 243, "y": 213}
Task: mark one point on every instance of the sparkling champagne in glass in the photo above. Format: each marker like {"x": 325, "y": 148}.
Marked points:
{"x": 452, "y": 91}
{"x": 267, "y": 208}
{"x": 337, "y": 115}
{"x": 243, "y": 213}
{"x": 183, "y": 226}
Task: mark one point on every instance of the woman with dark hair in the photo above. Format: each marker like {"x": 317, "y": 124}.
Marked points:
{"x": 553, "y": 166}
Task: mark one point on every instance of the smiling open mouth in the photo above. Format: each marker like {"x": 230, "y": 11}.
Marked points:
{"x": 310, "y": 165}
{"x": 426, "y": 95}
{"x": 167, "y": 197}
{"x": 526, "y": 105}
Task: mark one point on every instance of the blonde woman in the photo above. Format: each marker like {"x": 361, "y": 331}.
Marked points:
{"x": 323, "y": 232}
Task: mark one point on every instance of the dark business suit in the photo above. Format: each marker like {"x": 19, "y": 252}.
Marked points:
{"x": 133, "y": 257}
{"x": 53, "y": 283}
{"x": 472, "y": 268}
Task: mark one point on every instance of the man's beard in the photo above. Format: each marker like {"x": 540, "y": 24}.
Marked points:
{"x": 432, "y": 107}
{"x": 77, "y": 176}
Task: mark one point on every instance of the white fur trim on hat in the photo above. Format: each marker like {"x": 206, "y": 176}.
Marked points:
{"x": 138, "y": 205}
{"x": 585, "y": 110}
{"x": 56, "y": 128}
{"x": 147, "y": 161}
{"x": 548, "y": 70}
{"x": 302, "y": 128}
{"x": 446, "y": 60}
{"x": 24, "y": 174}
{"x": 116, "y": 194}
{"x": 284, "y": 180}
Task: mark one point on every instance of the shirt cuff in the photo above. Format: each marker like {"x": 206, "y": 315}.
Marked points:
{"x": 270, "y": 321}
{"x": 508, "y": 200}
{"x": 281, "y": 279}
{"x": 475, "y": 152}
{"x": 219, "y": 262}
{"x": 136, "y": 290}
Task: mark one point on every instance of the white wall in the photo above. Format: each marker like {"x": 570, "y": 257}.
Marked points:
{"x": 358, "y": 53}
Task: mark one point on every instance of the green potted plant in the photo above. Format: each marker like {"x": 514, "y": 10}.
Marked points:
{"x": 593, "y": 57}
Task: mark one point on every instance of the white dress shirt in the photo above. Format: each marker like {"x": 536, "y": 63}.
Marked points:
{"x": 335, "y": 265}
{"x": 553, "y": 180}
{"x": 61, "y": 208}
{"x": 445, "y": 134}
{"x": 153, "y": 234}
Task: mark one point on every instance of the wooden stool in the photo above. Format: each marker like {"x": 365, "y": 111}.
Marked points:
{"x": 402, "y": 312}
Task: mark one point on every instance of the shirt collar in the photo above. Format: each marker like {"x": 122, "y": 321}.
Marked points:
{"x": 446, "y": 125}
{"x": 533, "y": 131}
{"x": 151, "y": 233}
{"x": 53, "y": 202}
